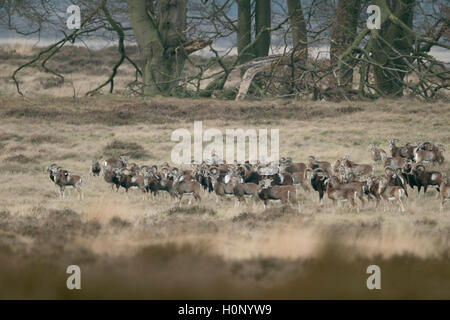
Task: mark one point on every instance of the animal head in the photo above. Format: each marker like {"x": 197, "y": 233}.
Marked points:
{"x": 266, "y": 183}
{"x": 389, "y": 171}
{"x": 165, "y": 170}
{"x": 383, "y": 182}
{"x": 213, "y": 171}
{"x": 348, "y": 177}
{"x": 285, "y": 161}
{"x": 319, "y": 172}
{"x": 134, "y": 166}
{"x": 53, "y": 168}
{"x": 392, "y": 143}
{"x": 124, "y": 159}
{"x": 417, "y": 168}
{"x": 407, "y": 168}
{"x": 95, "y": 164}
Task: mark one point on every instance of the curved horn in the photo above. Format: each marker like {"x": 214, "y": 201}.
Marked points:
{"x": 420, "y": 166}
{"x": 424, "y": 143}
{"x": 322, "y": 171}
{"x": 388, "y": 168}
{"x": 406, "y": 167}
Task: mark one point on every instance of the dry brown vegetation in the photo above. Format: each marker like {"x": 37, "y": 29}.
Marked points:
{"x": 130, "y": 248}
{"x": 82, "y": 69}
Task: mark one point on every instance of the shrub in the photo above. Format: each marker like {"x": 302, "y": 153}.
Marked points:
{"x": 118, "y": 147}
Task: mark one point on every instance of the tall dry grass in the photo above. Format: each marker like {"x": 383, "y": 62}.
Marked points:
{"x": 83, "y": 70}
{"x": 130, "y": 248}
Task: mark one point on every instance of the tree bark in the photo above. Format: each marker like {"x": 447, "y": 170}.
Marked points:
{"x": 244, "y": 29}
{"x": 150, "y": 5}
{"x": 298, "y": 26}
{"x": 160, "y": 41}
{"x": 394, "y": 41}
{"x": 343, "y": 32}
{"x": 263, "y": 20}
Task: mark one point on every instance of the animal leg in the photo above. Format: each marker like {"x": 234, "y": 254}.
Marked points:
{"x": 80, "y": 193}
{"x": 402, "y": 207}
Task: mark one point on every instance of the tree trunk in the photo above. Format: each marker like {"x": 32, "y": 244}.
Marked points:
{"x": 263, "y": 19}
{"x": 150, "y": 5}
{"x": 299, "y": 54}
{"x": 160, "y": 42}
{"x": 343, "y": 32}
{"x": 244, "y": 30}
{"x": 298, "y": 26}
{"x": 386, "y": 53}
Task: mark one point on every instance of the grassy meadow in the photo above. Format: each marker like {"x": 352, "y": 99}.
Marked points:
{"x": 128, "y": 247}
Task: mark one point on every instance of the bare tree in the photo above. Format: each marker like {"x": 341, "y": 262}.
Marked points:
{"x": 392, "y": 61}
{"x": 160, "y": 35}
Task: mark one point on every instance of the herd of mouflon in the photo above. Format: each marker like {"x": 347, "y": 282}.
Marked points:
{"x": 341, "y": 181}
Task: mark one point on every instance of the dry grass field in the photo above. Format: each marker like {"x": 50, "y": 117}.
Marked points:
{"x": 131, "y": 248}
{"x": 128, "y": 247}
